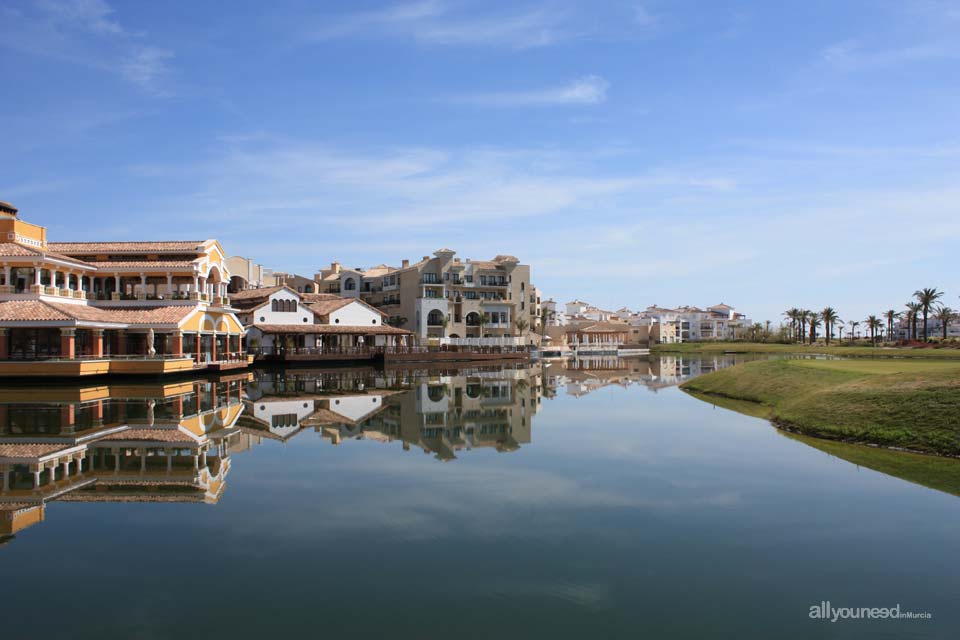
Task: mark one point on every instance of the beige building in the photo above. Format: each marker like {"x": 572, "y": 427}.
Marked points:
{"x": 247, "y": 274}
{"x": 444, "y": 297}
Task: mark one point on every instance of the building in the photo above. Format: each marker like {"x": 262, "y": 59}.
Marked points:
{"x": 283, "y": 322}
{"x": 300, "y": 284}
{"x": 247, "y": 274}
{"x": 89, "y": 308}
{"x": 686, "y": 324}
{"x": 447, "y": 299}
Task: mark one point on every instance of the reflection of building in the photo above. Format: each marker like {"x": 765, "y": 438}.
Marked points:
{"x": 87, "y": 308}
{"x": 145, "y": 443}
{"x": 585, "y": 375}
{"x": 443, "y": 414}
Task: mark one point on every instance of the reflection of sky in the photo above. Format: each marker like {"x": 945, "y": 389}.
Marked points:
{"x": 627, "y": 508}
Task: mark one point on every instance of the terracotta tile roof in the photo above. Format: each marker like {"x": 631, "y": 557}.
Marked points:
{"x": 310, "y": 298}
{"x": 166, "y": 246}
{"x": 141, "y": 264}
{"x": 325, "y": 307}
{"x": 127, "y": 315}
{"x": 12, "y": 249}
{"x": 30, "y": 310}
{"x": 255, "y": 294}
{"x": 35, "y": 450}
{"x": 152, "y": 435}
{"x": 330, "y": 329}
{"x": 379, "y": 270}
{"x": 38, "y": 311}
{"x": 602, "y": 327}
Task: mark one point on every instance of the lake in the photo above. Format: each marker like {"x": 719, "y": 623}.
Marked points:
{"x": 557, "y": 500}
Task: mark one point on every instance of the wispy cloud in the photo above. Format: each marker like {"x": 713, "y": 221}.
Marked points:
{"x": 850, "y": 55}
{"x": 85, "y": 32}
{"x": 441, "y": 23}
{"x": 586, "y": 90}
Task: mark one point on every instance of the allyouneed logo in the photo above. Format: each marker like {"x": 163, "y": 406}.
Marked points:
{"x": 826, "y": 611}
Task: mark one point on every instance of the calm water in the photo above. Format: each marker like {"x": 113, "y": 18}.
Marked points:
{"x": 522, "y": 503}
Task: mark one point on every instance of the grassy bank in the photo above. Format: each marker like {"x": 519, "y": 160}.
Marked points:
{"x": 908, "y": 403}
{"x": 766, "y": 347}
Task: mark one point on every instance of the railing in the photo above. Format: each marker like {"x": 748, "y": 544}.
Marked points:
{"x": 315, "y": 351}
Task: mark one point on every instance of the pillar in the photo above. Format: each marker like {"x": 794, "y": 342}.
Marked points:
{"x": 4, "y": 344}
{"x": 6, "y": 275}
{"x": 169, "y": 456}
{"x": 198, "y": 352}
{"x": 36, "y": 479}
{"x": 117, "y": 291}
{"x": 143, "y": 460}
{"x": 37, "y": 272}
{"x": 97, "y": 343}
{"x": 116, "y": 459}
{"x": 68, "y": 343}
{"x": 170, "y": 284}
{"x": 143, "y": 287}
{"x": 213, "y": 347}
{"x": 177, "y": 343}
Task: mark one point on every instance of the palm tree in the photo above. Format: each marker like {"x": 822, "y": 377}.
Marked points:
{"x": 944, "y": 315}
{"x": 546, "y": 315}
{"x": 874, "y": 323}
{"x": 840, "y": 323}
{"x": 793, "y": 314}
{"x": 522, "y": 326}
{"x": 814, "y": 319}
{"x": 483, "y": 321}
{"x": 913, "y": 312}
{"x": 926, "y": 298}
{"x": 802, "y": 316}
{"x": 890, "y": 315}
{"x": 829, "y": 315}
{"x": 853, "y": 328}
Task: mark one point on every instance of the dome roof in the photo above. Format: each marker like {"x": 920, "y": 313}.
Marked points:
{"x": 6, "y": 207}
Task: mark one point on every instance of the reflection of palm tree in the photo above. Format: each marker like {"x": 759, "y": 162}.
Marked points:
{"x": 546, "y": 315}
{"x": 926, "y": 298}
{"x": 482, "y": 322}
{"x": 522, "y": 326}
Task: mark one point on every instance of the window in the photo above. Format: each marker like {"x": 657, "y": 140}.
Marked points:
{"x": 349, "y": 284}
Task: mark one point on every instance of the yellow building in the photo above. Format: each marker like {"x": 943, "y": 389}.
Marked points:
{"x": 92, "y": 308}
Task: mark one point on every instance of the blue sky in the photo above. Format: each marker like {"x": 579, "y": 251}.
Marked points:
{"x": 763, "y": 154}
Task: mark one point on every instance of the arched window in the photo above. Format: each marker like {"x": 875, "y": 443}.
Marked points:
{"x": 349, "y": 284}
{"x": 274, "y": 305}
{"x": 435, "y": 318}
{"x": 473, "y": 319}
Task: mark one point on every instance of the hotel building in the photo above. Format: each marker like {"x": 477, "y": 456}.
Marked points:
{"x": 91, "y": 308}
{"x": 446, "y": 299}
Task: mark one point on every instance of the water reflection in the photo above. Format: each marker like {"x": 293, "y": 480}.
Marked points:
{"x": 173, "y": 442}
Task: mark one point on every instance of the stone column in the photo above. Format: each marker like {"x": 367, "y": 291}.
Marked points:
{"x": 117, "y": 291}
{"x": 68, "y": 343}
{"x": 177, "y": 343}
{"x": 143, "y": 287}
{"x": 213, "y": 347}
{"x": 4, "y": 344}
{"x": 97, "y": 343}
{"x": 198, "y": 353}
{"x": 170, "y": 284}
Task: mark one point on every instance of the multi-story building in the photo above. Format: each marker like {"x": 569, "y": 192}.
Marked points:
{"x": 248, "y": 274}
{"x": 445, "y": 297}
{"x": 89, "y": 308}
{"x": 683, "y": 324}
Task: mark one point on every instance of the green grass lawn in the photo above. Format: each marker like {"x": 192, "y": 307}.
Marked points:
{"x": 909, "y": 404}
{"x": 834, "y": 349}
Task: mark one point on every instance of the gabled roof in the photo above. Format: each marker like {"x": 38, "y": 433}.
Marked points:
{"x": 327, "y": 306}
{"x": 42, "y": 311}
{"x": 164, "y": 246}
{"x": 14, "y": 250}
{"x": 251, "y": 297}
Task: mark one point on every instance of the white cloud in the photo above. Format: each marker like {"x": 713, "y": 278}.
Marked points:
{"x": 84, "y": 32}
{"x": 850, "y": 55}
{"x": 587, "y": 90}
{"x": 436, "y": 22}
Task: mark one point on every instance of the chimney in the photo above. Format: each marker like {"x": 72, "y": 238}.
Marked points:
{"x": 404, "y": 264}
{"x": 425, "y": 258}
{"x": 335, "y": 267}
